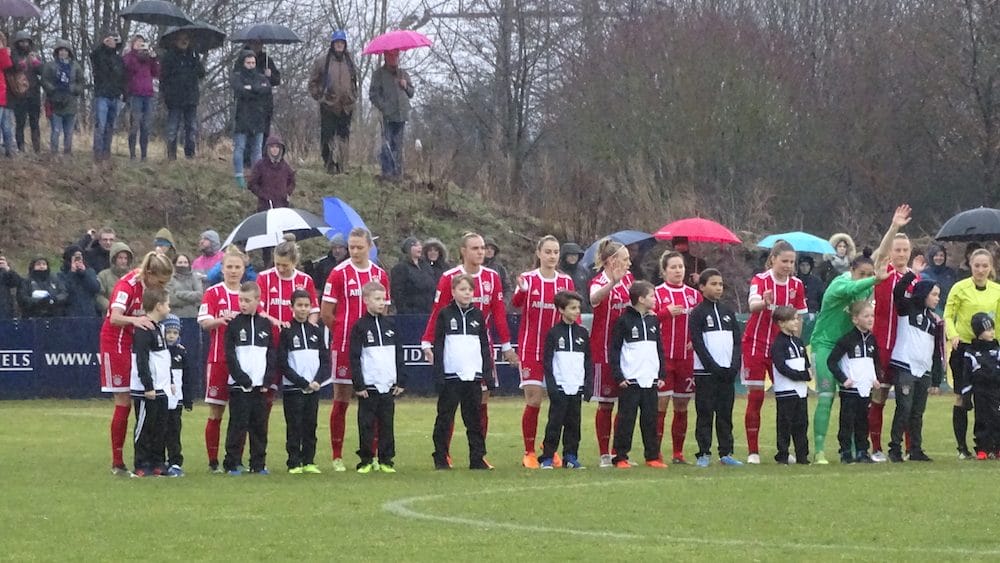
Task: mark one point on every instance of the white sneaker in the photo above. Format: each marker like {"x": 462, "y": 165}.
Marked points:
{"x": 338, "y": 465}
{"x": 606, "y": 461}
{"x": 879, "y": 457}
{"x": 791, "y": 458}
{"x": 753, "y": 459}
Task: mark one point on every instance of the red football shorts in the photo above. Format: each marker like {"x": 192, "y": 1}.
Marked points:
{"x": 605, "y": 388}
{"x": 216, "y": 383}
{"x": 532, "y": 373}
{"x": 116, "y": 372}
{"x": 341, "y": 365}
{"x": 755, "y": 369}
{"x": 680, "y": 378}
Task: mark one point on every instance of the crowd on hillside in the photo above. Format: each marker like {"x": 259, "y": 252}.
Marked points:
{"x": 133, "y": 79}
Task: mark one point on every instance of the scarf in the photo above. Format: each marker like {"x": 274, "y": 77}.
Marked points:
{"x": 64, "y": 72}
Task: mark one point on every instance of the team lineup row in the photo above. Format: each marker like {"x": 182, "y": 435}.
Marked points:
{"x": 647, "y": 345}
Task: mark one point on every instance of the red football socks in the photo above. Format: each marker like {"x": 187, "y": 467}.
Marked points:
{"x": 529, "y": 427}
{"x": 678, "y": 429}
{"x": 755, "y": 400}
{"x": 875, "y": 425}
{"x": 338, "y": 423}
{"x": 119, "y": 427}
{"x": 661, "y": 417}
{"x": 602, "y": 423}
{"x": 212, "y": 427}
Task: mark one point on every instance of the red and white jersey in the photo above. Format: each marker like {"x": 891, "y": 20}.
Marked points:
{"x": 217, "y": 302}
{"x": 536, "y": 299}
{"x": 606, "y": 313}
{"x": 886, "y": 317}
{"x": 276, "y": 293}
{"x": 487, "y": 296}
{"x": 674, "y": 329}
{"x": 343, "y": 289}
{"x": 761, "y": 328}
{"x": 126, "y": 297}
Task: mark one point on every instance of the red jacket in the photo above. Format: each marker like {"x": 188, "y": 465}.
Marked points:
{"x": 272, "y": 181}
{"x": 5, "y": 63}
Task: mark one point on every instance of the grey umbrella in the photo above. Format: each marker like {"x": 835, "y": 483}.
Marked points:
{"x": 979, "y": 224}
{"x": 267, "y": 33}
{"x": 19, "y": 9}
{"x": 155, "y": 12}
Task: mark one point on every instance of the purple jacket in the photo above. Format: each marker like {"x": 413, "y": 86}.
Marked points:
{"x": 272, "y": 182}
{"x": 140, "y": 70}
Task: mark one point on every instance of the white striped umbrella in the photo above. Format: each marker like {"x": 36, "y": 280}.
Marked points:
{"x": 266, "y": 229}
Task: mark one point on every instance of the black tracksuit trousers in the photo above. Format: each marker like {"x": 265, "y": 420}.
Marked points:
{"x": 247, "y": 416}
{"x": 713, "y": 402}
{"x": 300, "y": 426}
{"x": 631, "y": 399}
{"x": 468, "y": 395}
{"x": 375, "y": 418}
{"x": 564, "y": 420}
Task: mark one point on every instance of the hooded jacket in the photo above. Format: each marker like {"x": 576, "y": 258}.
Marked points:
{"x": 834, "y": 264}
{"x": 94, "y": 254}
{"x": 182, "y": 72}
{"x": 386, "y": 95}
{"x": 920, "y": 332}
{"x": 813, "y": 284}
{"x": 5, "y": 65}
{"x": 140, "y": 71}
{"x": 42, "y": 294}
{"x": 272, "y": 181}
{"x": 109, "y": 276}
{"x": 185, "y": 291}
{"x": 108, "y": 69}
{"x": 64, "y": 100}
{"x": 333, "y": 82}
{"x": 441, "y": 265}
{"x": 252, "y": 91}
{"x": 413, "y": 283}
{"x": 581, "y": 277}
{"x": 205, "y": 262}
{"x": 82, "y": 287}
{"x": 28, "y": 63}
{"x": 264, "y": 62}
{"x": 943, "y": 275}
{"x": 495, "y": 265}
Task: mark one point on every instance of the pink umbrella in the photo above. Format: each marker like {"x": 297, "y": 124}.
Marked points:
{"x": 396, "y": 40}
{"x": 696, "y": 229}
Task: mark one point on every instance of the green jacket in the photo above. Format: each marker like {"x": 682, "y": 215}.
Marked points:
{"x": 63, "y": 102}
{"x": 834, "y": 319}
{"x": 386, "y": 95}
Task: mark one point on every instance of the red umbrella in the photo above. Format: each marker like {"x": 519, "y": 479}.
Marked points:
{"x": 397, "y": 40}
{"x": 696, "y": 229}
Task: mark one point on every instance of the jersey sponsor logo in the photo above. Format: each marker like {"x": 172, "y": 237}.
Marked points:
{"x": 354, "y": 293}
{"x": 279, "y": 302}
{"x": 542, "y": 305}
{"x": 485, "y": 299}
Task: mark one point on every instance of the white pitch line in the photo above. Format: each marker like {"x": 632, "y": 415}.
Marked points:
{"x": 402, "y": 508}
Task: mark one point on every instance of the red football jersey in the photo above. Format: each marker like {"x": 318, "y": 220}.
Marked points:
{"x": 674, "y": 329}
{"x": 761, "y": 329}
{"x": 276, "y": 293}
{"x": 885, "y": 308}
{"x": 538, "y": 311}
{"x": 487, "y": 295}
{"x": 606, "y": 314}
{"x": 343, "y": 288}
{"x": 217, "y": 302}
{"x": 127, "y": 298}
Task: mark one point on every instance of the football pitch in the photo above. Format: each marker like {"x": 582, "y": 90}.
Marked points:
{"x": 60, "y": 501}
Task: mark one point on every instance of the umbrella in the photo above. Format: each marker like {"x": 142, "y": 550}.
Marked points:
{"x": 396, "y": 40}
{"x": 268, "y": 33}
{"x": 19, "y": 9}
{"x": 155, "y": 12}
{"x": 204, "y": 37}
{"x": 266, "y": 228}
{"x": 979, "y": 224}
{"x": 801, "y": 242}
{"x": 644, "y": 240}
{"x": 341, "y": 218}
{"x": 696, "y": 229}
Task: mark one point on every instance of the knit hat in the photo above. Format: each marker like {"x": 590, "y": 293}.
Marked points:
{"x": 981, "y": 322}
{"x": 171, "y": 322}
{"x": 409, "y": 243}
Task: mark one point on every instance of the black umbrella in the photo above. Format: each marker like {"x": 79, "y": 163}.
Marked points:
{"x": 155, "y": 12}
{"x": 265, "y": 229}
{"x": 204, "y": 37}
{"x": 19, "y": 9}
{"x": 268, "y": 33}
{"x": 979, "y": 224}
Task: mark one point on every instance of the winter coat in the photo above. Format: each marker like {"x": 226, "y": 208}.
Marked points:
{"x": 333, "y": 82}
{"x": 386, "y": 94}
{"x": 5, "y": 65}
{"x": 252, "y": 91}
{"x": 140, "y": 70}
{"x": 272, "y": 181}
{"x": 9, "y": 280}
{"x": 64, "y": 101}
{"x": 94, "y": 255}
{"x": 943, "y": 275}
{"x": 182, "y": 72}
{"x": 834, "y": 265}
{"x": 110, "y": 276}
{"x": 29, "y": 64}
{"x": 108, "y": 69}
{"x": 581, "y": 277}
{"x": 185, "y": 291}
{"x": 264, "y": 62}
{"x": 82, "y": 289}
{"x": 42, "y": 294}
{"x": 413, "y": 286}
{"x": 441, "y": 265}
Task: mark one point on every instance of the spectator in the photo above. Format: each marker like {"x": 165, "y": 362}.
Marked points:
{"x": 252, "y": 92}
{"x": 839, "y": 262}
{"x": 41, "y": 294}
{"x": 121, "y": 263}
{"x": 182, "y": 71}
{"x": 62, "y": 80}
{"x": 185, "y": 289}
{"x": 436, "y": 256}
{"x": 210, "y": 248}
{"x": 813, "y": 284}
{"x": 413, "y": 281}
{"x": 267, "y": 69}
{"x": 492, "y": 262}
{"x": 333, "y": 83}
{"x": 96, "y": 247}
{"x": 569, "y": 264}
{"x": 5, "y": 119}
{"x": 938, "y": 271}
{"x": 81, "y": 284}
{"x": 321, "y": 268}
{"x": 163, "y": 243}
{"x": 24, "y": 90}
{"x": 214, "y": 275}
{"x": 108, "y": 70}
{"x": 390, "y": 92}
{"x": 141, "y": 67}
{"x": 964, "y": 271}
{"x": 272, "y": 179}
{"x": 693, "y": 265}
{"x": 8, "y": 280}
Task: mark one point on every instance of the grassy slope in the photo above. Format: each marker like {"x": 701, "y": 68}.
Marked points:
{"x": 60, "y": 502}
{"x": 44, "y": 205}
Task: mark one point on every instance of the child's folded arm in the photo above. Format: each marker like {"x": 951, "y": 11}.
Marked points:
{"x": 285, "y": 368}
{"x": 232, "y": 361}
{"x": 141, "y": 343}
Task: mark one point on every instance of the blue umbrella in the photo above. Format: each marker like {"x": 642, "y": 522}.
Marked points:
{"x": 341, "y": 218}
{"x": 801, "y": 242}
{"x": 645, "y": 241}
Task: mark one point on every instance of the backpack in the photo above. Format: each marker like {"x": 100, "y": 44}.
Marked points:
{"x": 18, "y": 84}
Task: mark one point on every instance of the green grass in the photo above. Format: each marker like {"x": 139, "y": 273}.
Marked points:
{"x": 60, "y": 502}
